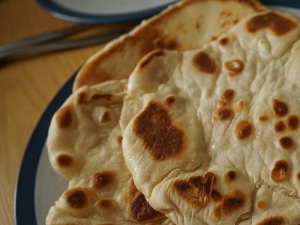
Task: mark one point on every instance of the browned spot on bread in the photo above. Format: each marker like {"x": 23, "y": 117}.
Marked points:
{"x": 263, "y": 118}
{"x": 102, "y": 179}
{"x": 141, "y": 210}
{"x": 145, "y": 61}
{"x": 239, "y": 106}
{"x": 277, "y": 23}
{"x": 160, "y": 137}
{"x": 204, "y": 63}
{"x": 65, "y": 117}
{"x": 76, "y": 198}
{"x": 261, "y": 205}
{"x": 230, "y": 175}
{"x": 106, "y": 117}
{"x": 234, "y": 67}
{"x": 286, "y": 142}
{"x": 280, "y": 171}
{"x": 105, "y": 204}
{"x": 298, "y": 176}
{"x": 64, "y": 161}
{"x": 223, "y": 114}
{"x": 226, "y": 97}
{"x": 169, "y": 100}
{"x": 279, "y": 126}
{"x": 230, "y": 203}
{"x": 197, "y": 190}
{"x": 243, "y": 129}
{"x": 224, "y": 111}
{"x": 292, "y": 122}
{"x": 273, "y": 220}
{"x": 119, "y": 140}
{"x": 279, "y": 108}
{"x": 223, "y": 41}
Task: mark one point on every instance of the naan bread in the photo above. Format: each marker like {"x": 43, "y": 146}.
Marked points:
{"x": 185, "y": 25}
{"x": 285, "y": 206}
{"x": 84, "y": 146}
{"x": 202, "y": 128}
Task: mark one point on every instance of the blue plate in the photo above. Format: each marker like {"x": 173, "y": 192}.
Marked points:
{"x": 103, "y": 11}
{"x": 38, "y": 186}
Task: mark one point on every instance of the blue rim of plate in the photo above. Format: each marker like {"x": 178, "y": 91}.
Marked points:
{"x": 24, "y": 193}
{"x": 70, "y": 15}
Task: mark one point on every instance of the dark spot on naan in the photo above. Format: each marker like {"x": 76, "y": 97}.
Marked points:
{"x": 263, "y": 118}
{"x": 119, "y": 140}
{"x": 65, "y": 117}
{"x": 226, "y": 97}
{"x": 280, "y": 170}
{"x": 197, "y": 191}
{"x": 102, "y": 179}
{"x": 141, "y": 210}
{"x": 64, "y": 160}
{"x": 292, "y": 122}
{"x": 76, "y": 198}
{"x": 298, "y": 176}
{"x": 223, "y": 41}
{"x": 261, "y": 205}
{"x": 243, "y": 129}
{"x": 230, "y": 203}
{"x": 204, "y": 63}
{"x": 223, "y": 114}
{"x": 286, "y": 142}
{"x": 105, "y": 204}
{"x": 279, "y": 126}
{"x": 279, "y": 108}
{"x": 273, "y": 220}
{"x": 277, "y": 23}
{"x": 170, "y": 100}
{"x": 230, "y": 175}
{"x": 106, "y": 117}
{"x": 234, "y": 67}
{"x": 160, "y": 137}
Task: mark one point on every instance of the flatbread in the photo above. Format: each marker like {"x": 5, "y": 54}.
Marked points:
{"x": 185, "y": 25}
{"x": 285, "y": 206}
{"x": 202, "y": 128}
{"x": 84, "y": 146}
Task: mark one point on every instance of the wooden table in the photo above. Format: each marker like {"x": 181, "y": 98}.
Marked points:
{"x": 26, "y": 88}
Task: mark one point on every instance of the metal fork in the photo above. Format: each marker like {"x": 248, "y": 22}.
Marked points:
{"x": 50, "y": 41}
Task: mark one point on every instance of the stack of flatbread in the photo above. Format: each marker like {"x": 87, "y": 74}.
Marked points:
{"x": 191, "y": 118}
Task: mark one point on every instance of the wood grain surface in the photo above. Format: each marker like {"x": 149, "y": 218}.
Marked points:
{"x": 27, "y": 86}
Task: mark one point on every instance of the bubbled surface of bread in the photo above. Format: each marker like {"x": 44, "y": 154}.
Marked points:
{"x": 211, "y": 135}
{"x": 84, "y": 146}
{"x": 185, "y": 25}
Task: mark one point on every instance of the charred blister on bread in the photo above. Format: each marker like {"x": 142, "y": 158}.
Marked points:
{"x": 278, "y": 24}
{"x": 272, "y": 220}
{"x": 160, "y": 136}
{"x": 65, "y": 117}
{"x": 204, "y": 63}
{"x": 102, "y": 179}
{"x": 224, "y": 111}
{"x": 243, "y": 129}
{"x": 280, "y": 171}
{"x": 230, "y": 203}
{"x": 234, "y": 67}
